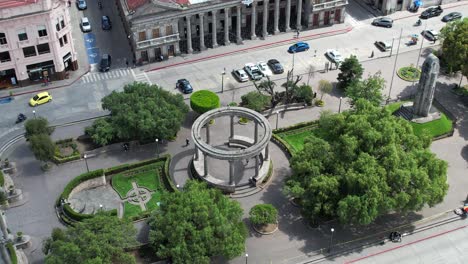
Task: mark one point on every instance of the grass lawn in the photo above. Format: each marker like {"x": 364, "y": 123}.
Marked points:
{"x": 149, "y": 179}
{"x": 296, "y": 141}
{"x": 152, "y": 204}
{"x": 131, "y": 210}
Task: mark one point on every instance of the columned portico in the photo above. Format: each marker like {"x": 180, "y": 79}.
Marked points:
{"x": 189, "y": 35}
{"x": 202, "y": 32}
{"x": 226, "y": 27}
{"x": 298, "y": 14}
{"x": 253, "y": 21}
{"x": 239, "y": 24}
{"x": 214, "y": 21}
{"x": 288, "y": 15}
{"x": 265, "y": 19}
{"x": 276, "y": 19}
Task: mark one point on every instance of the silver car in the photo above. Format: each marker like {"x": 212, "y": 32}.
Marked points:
{"x": 240, "y": 75}
{"x": 383, "y": 45}
{"x": 85, "y": 25}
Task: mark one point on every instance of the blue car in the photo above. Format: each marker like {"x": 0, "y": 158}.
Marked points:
{"x": 81, "y": 4}
{"x": 184, "y": 86}
{"x": 298, "y": 47}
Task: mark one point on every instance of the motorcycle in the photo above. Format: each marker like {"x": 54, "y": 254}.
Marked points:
{"x": 21, "y": 118}
{"x": 418, "y": 23}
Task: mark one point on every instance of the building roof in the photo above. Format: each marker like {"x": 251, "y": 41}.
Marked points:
{"x": 134, "y": 4}
{"x": 15, "y": 3}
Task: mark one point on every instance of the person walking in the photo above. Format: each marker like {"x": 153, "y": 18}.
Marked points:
{"x": 126, "y": 62}
{"x": 187, "y": 142}
{"x": 134, "y": 63}
{"x": 297, "y": 33}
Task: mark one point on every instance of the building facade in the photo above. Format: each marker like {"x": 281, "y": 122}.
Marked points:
{"x": 391, "y": 6}
{"x": 163, "y": 28}
{"x": 35, "y": 41}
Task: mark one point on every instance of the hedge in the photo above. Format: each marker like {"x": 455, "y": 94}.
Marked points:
{"x": 124, "y": 167}
{"x": 12, "y": 251}
{"x": 78, "y": 216}
{"x": 203, "y": 101}
{"x": 57, "y": 160}
{"x": 2, "y": 179}
{"x": 166, "y": 177}
{"x": 295, "y": 126}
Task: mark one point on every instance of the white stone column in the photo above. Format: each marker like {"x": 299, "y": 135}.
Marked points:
{"x": 189, "y": 35}
{"x": 256, "y": 133}
{"x": 205, "y": 164}
{"x": 202, "y": 32}
{"x": 239, "y": 24}
{"x": 207, "y": 133}
{"x": 214, "y": 22}
{"x": 267, "y": 151}
{"x": 232, "y": 127}
{"x": 298, "y": 15}
{"x": 253, "y": 21}
{"x": 288, "y": 15}
{"x": 226, "y": 27}
{"x": 231, "y": 172}
{"x": 276, "y": 22}
{"x": 256, "y": 166}
{"x": 265, "y": 18}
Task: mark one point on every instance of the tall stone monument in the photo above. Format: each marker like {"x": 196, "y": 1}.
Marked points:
{"x": 426, "y": 86}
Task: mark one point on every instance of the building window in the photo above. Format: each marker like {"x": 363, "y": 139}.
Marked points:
{"x": 156, "y": 33}
{"x": 65, "y": 39}
{"x": 141, "y": 35}
{"x": 62, "y": 22}
{"x": 22, "y": 34}
{"x": 5, "y": 56}
{"x": 43, "y": 48}
{"x": 42, "y": 31}
{"x": 3, "y": 40}
{"x": 57, "y": 25}
{"x": 61, "y": 42}
{"x": 169, "y": 30}
{"x": 29, "y": 51}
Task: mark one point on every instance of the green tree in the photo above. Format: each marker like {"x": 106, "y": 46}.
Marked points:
{"x": 262, "y": 214}
{"x": 325, "y": 87}
{"x": 364, "y": 163}
{"x": 194, "y": 225}
{"x": 302, "y": 93}
{"x": 267, "y": 86}
{"x": 454, "y": 38}
{"x": 255, "y": 101}
{"x": 42, "y": 146}
{"x": 37, "y": 126}
{"x": 351, "y": 70}
{"x": 97, "y": 240}
{"x": 141, "y": 112}
{"x": 369, "y": 89}
{"x": 203, "y": 101}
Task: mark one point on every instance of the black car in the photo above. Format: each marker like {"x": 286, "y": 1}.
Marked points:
{"x": 383, "y": 22}
{"x": 275, "y": 66}
{"x": 106, "y": 23}
{"x": 105, "y": 63}
{"x": 431, "y": 12}
{"x": 452, "y": 16}
{"x": 184, "y": 86}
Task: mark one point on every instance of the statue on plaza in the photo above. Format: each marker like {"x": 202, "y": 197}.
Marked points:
{"x": 426, "y": 86}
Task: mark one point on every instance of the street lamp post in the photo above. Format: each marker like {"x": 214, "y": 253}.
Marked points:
{"x": 86, "y": 162}
{"x": 331, "y": 240}
{"x": 34, "y": 113}
{"x": 292, "y": 70}
{"x": 222, "y": 80}
{"x": 277, "y": 117}
{"x": 339, "y": 107}
{"x": 157, "y": 148}
{"x": 246, "y": 258}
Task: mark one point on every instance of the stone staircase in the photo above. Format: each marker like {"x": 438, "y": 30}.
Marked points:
{"x": 245, "y": 190}
{"x": 404, "y": 112}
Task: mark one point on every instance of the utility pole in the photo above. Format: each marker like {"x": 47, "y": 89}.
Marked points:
{"x": 394, "y": 67}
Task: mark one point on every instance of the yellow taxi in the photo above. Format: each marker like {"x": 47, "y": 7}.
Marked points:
{"x": 40, "y": 98}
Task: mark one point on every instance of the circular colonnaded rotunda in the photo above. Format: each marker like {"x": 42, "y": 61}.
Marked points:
{"x": 232, "y": 158}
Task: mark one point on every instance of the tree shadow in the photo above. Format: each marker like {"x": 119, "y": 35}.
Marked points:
{"x": 464, "y": 153}
{"x": 180, "y": 167}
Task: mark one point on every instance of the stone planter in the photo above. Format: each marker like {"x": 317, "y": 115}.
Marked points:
{"x": 266, "y": 229}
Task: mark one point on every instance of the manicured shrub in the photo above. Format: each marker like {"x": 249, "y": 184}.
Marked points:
{"x": 204, "y": 101}
{"x": 256, "y": 101}
{"x": 262, "y": 214}
{"x": 2, "y": 179}
{"x": 303, "y": 93}
{"x": 12, "y": 252}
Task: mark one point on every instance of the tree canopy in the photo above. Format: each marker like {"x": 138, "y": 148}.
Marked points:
{"x": 37, "y": 126}
{"x": 455, "y": 46}
{"x": 351, "y": 70}
{"x": 42, "y": 146}
{"x": 141, "y": 112}
{"x": 369, "y": 89}
{"x": 262, "y": 214}
{"x": 365, "y": 163}
{"x": 97, "y": 240}
{"x": 203, "y": 101}
{"x": 196, "y": 224}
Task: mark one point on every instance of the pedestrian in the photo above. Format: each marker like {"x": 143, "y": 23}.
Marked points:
{"x": 187, "y": 142}
{"x": 372, "y": 54}
{"x": 126, "y": 62}
{"x": 69, "y": 3}
{"x": 134, "y": 63}
{"x": 246, "y": 162}
{"x": 297, "y": 33}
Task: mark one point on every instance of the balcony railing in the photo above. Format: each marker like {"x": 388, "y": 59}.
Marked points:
{"x": 330, "y": 4}
{"x": 157, "y": 41}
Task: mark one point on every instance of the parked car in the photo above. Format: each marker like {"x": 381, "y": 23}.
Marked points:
{"x": 184, "y": 85}
{"x": 240, "y": 75}
{"x": 106, "y": 61}
{"x": 40, "y": 98}
{"x": 81, "y": 4}
{"x": 85, "y": 25}
{"x": 452, "y": 16}
{"x": 383, "y": 45}
{"x": 263, "y": 67}
{"x": 298, "y": 47}
{"x": 253, "y": 71}
{"x": 383, "y": 22}
{"x": 431, "y": 35}
{"x": 106, "y": 23}
{"x": 275, "y": 66}
{"x": 334, "y": 56}
{"x": 431, "y": 12}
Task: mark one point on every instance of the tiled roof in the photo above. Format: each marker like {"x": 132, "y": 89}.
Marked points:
{"x": 134, "y": 4}
{"x": 15, "y": 3}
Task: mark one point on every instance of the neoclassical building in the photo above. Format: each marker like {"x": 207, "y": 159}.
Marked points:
{"x": 171, "y": 27}
{"x": 35, "y": 41}
{"x": 391, "y": 6}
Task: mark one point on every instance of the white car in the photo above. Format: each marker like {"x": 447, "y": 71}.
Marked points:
{"x": 334, "y": 56}
{"x": 264, "y": 69}
{"x": 253, "y": 71}
{"x": 85, "y": 25}
{"x": 240, "y": 75}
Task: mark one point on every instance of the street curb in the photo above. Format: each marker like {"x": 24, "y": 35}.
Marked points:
{"x": 325, "y": 34}
{"x": 51, "y": 88}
